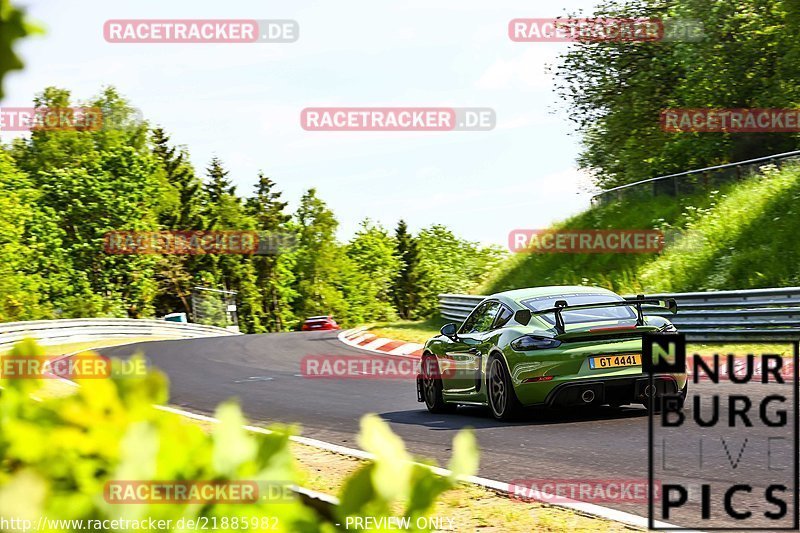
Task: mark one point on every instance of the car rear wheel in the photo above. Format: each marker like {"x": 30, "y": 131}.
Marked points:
{"x": 502, "y": 398}
{"x": 684, "y": 394}
{"x": 432, "y": 386}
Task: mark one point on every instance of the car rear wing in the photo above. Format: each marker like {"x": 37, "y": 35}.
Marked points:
{"x": 523, "y": 316}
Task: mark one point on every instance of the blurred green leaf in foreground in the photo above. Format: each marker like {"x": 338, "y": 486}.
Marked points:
{"x": 56, "y": 456}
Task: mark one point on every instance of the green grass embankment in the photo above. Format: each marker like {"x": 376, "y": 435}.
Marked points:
{"x": 744, "y": 235}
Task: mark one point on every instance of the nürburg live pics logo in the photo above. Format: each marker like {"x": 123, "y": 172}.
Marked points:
{"x": 722, "y": 434}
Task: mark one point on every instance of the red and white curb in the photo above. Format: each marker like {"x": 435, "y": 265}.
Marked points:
{"x": 357, "y": 338}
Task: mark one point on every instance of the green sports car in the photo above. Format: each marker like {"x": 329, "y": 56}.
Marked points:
{"x": 546, "y": 346}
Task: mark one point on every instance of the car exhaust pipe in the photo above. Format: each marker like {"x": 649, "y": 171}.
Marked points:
{"x": 587, "y": 396}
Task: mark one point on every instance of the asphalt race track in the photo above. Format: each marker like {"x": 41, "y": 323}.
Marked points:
{"x": 263, "y": 372}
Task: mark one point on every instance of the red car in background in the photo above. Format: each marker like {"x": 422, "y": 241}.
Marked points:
{"x": 315, "y": 323}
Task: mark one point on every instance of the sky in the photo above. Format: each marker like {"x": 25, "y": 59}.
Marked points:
{"x": 242, "y": 103}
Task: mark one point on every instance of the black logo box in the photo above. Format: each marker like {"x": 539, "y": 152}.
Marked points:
{"x": 676, "y": 343}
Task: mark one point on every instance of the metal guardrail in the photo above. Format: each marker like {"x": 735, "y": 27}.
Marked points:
{"x": 710, "y": 176}
{"x": 731, "y": 316}
{"x": 82, "y": 329}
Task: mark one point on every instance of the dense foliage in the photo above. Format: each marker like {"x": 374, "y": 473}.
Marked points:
{"x": 13, "y": 26}
{"x": 747, "y": 56}
{"x": 64, "y": 190}
{"x": 58, "y": 455}
{"x": 725, "y": 235}
{"x": 742, "y": 236}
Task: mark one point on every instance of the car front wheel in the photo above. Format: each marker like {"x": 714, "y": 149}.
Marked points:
{"x": 432, "y": 386}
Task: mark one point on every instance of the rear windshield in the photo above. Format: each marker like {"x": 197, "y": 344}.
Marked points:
{"x": 584, "y": 315}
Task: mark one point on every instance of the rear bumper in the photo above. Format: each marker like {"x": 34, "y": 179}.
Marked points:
{"x": 622, "y": 391}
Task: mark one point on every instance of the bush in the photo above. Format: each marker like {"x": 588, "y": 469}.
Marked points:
{"x": 56, "y": 456}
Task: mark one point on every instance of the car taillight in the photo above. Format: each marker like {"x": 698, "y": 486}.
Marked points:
{"x": 532, "y": 342}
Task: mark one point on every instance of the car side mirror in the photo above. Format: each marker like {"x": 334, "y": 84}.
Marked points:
{"x": 672, "y": 306}
{"x": 523, "y": 316}
{"x": 449, "y": 331}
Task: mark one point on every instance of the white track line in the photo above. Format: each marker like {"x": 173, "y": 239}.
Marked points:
{"x": 504, "y": 489}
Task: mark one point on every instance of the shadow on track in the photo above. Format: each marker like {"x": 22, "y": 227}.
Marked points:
{"x": 478, "y": 417}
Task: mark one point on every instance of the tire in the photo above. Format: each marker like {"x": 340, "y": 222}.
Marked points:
{"x": 432, "y": 386}
{"x": 500, "y": 393}
{"x": 684, "y": 394}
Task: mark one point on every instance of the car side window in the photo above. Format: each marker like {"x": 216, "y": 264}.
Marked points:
{"x": 469, "y": 323}
{"x": 503, "y": 316}
{"x": 483, "y": 318}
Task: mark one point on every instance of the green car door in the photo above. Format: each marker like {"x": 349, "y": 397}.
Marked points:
{"x": 465, "y": 356}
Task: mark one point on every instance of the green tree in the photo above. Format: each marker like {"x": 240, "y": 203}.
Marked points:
{"x": 406, "y": 289}
{"x": 92, "y": 182}
{"x": 615, "y": 92}
{"x": 225, "y": 211}
{"x": 274, "y": 275}
{"x": 222, "y": 204}
{"x": 64, "y": 191}
{"x": 23, "y": 287}
{"x": 448, "y": 264}
{"x": 179, "y": 209}
{"x": 181, "y": 185}
{"x": 13, "y": 27}
{"x": 373, "y": 252}
{"x": 266, "y": 205}
{"x": 324, "y": 273}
